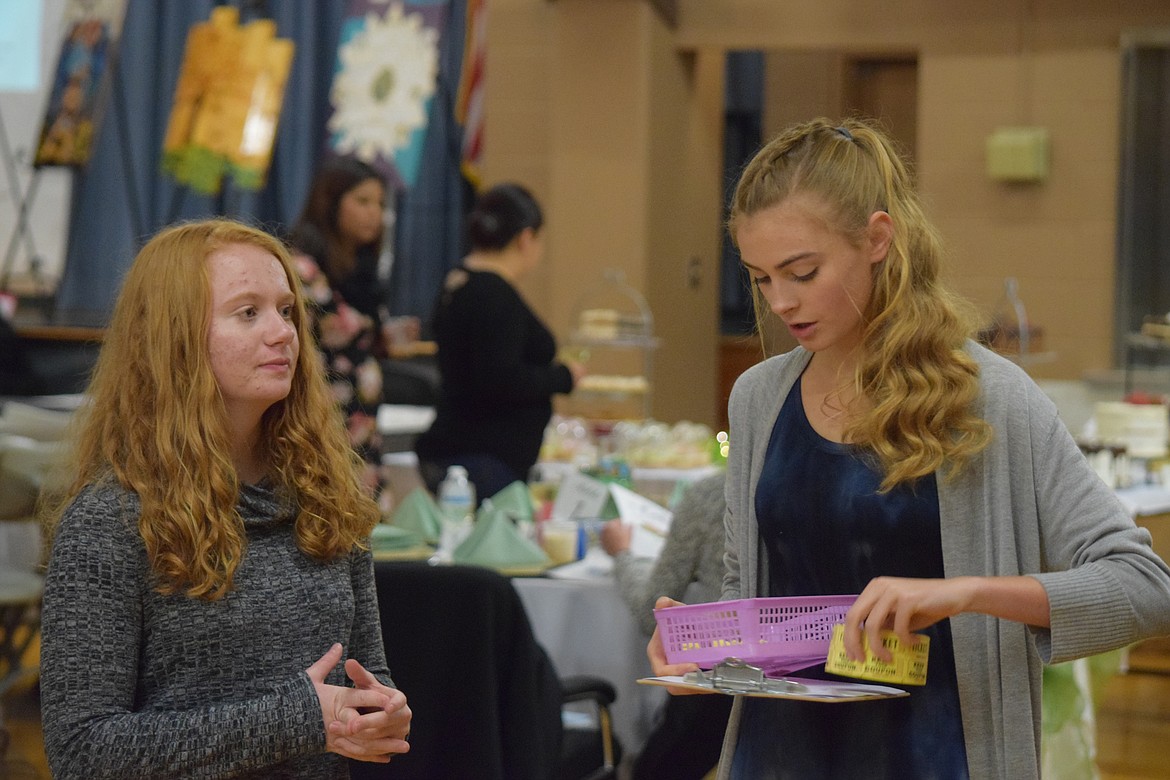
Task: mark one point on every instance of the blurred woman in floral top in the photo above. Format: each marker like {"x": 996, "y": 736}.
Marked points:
{"x": 336, "y": 243}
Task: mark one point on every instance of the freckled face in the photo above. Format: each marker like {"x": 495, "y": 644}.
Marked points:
{"x": 813, "y": 279}
{"x": 252, "y": 342}
{"x": 359, "y": 214}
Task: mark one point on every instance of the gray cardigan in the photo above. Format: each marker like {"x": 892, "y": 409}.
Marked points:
{"x": 137, "y": 684}
{"x": 1028, "y": 504}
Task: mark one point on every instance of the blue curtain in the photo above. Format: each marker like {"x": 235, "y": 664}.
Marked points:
{"x": 430, "y": 217}
{"x": 120, "y": 199}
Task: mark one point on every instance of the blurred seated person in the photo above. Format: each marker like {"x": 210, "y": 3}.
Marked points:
{"x": 497, "y": 360}
{"x": 686, "y": 742}
{"x": 336, "y": 242}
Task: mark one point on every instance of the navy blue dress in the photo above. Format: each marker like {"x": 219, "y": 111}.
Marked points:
{"x": 827, "y": 530}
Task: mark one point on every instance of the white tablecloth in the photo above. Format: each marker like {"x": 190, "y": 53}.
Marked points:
{"x": 587, "y": 629}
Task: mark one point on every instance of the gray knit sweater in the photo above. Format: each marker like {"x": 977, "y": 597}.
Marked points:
{"x": 135, "y": 684}
{"x": 692, "y": 553}
{"x": 1029, "y": 504}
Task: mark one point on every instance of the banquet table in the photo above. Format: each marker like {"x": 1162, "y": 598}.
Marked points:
{"x": 586, "y": 628}
{"x": 581, "y": 621}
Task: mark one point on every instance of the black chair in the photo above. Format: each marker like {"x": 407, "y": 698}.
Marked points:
{"x": 414, "y": 382}
{"x": 17, "y": 374}
{"x": 485, "y": 698}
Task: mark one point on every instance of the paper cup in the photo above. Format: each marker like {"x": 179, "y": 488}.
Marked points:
{"x": 559, "y": 540}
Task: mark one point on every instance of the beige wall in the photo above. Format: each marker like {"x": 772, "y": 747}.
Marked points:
{"x": 517, "y": 135}
{"x": 1057, "y": 238}
{"x": 682, "y": 250}
{"x": 591, "y": 103}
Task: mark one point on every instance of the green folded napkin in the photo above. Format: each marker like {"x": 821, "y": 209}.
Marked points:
{"x": 494, "y": 542}
{"x": 419, "y": 514}
{"x": 389, "y": 537}
{"x": 516, "y": 501}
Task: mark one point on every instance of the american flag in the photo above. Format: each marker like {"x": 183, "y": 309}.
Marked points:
{"x": 469, "y": 106}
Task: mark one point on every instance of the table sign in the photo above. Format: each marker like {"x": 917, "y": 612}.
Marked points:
{"x": 580, "y": 496}
{"x": 651, "y": 521}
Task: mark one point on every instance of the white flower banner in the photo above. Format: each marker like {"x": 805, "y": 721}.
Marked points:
{"x": 387, "y": 64}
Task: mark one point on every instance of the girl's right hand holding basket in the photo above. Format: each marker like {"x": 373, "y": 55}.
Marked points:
{"x": 657, "y": 654}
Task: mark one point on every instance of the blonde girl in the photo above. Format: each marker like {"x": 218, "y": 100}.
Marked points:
{"x": 890, "y": 456}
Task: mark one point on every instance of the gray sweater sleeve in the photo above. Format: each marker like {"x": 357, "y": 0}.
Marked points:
{"x": 366, "y": 637}
{"x": 93, "y": 633}
{"x": 1106, "y": 586}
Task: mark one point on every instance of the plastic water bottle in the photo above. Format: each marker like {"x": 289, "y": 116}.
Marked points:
{"x": 457, "y": 495}
{"x": 457, "y": 505}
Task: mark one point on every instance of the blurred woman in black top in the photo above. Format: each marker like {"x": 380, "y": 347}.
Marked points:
{"x": 497, "y": 360}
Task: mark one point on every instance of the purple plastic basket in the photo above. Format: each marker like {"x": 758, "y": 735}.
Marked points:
{"x": 765, "y": 631}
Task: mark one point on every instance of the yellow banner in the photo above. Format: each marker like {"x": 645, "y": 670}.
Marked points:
{"x": 227, "y": 102}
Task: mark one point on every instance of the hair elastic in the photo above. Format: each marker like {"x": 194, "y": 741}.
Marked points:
{"x": 848, "y": 136}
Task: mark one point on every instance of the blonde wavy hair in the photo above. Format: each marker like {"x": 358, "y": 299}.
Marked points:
{"x": 157, "y": 425}
{"x": 917, "y": 384}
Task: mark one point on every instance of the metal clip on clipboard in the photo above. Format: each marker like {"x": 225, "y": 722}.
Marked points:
{"x": 736, "y": 677}
{"x": 731, "y": 675}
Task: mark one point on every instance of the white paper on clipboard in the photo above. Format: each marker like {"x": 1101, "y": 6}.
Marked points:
{"x": 825, "y": 691}
{"x": 650, "y": 520}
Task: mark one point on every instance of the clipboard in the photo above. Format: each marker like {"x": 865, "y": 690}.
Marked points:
{"x": 734, "y": 677}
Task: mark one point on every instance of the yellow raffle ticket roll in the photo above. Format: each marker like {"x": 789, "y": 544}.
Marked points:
{"x": 907, "y": 665}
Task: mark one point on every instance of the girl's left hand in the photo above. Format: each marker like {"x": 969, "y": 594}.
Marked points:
{"x": 394, "y": 719}
{"x": 903, "y": 605}
{"x": 369, "y": 722}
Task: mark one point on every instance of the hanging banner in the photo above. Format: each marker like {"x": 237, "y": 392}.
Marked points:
{"x": 91, "y": 31}
{"x": 227, "y": 102}
{"x": 387, "y": 63}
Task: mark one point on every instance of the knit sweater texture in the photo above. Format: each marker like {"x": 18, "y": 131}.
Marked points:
{"x": 1029, "y": 504}
{"x": 136, "y": 684}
